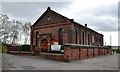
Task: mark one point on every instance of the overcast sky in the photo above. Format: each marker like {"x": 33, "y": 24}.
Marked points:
{"x": 100, "y": 15}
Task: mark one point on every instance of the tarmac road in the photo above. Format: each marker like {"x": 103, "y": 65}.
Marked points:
{"x": 15, "y": 62}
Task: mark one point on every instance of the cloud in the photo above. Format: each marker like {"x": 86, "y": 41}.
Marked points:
{"x": 28, "y": 10}
{"x": 100, "y": 23}
{"x": 119, "y": 16}
{"x": 0, "y": 7}
{"x": 114, "y": 37}
{"x": 105, "y": 18}
{"x": 100, "y": 15}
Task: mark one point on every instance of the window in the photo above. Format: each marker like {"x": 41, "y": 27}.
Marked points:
{"x": 96, "y": 38}
{"x": 31, "y": 36}
{"x": 60, "y": 36}
{"x": 76, "y": 36}
{"x": 70, "y": 33}
{"x": 88, "y": 39}
{"x": 37, "y": 33}
{"x": 79, "y": 36}
{"x": 82, "y": 37}
{"x": 93, "y": 39}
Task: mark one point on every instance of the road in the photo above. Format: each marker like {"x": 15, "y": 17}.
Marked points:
{"x": 15, "y": 62}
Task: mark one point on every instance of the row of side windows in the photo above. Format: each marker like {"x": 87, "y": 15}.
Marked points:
{"x": 90, "y": 38}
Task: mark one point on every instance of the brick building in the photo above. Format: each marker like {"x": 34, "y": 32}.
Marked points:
{"x": 53, "y": 30}
{"x": 52, "y": 25}
{"x": 57, "y": 37}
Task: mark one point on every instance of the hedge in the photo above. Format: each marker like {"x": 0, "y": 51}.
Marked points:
{"x": 25, "y": 48}
{"x": 4, "y": 49}
{"x": 118, "y": 50}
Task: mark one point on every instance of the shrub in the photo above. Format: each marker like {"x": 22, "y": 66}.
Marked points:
{"x": 25, "y": 48}
{"x": 113, "y": 49}
{"x": 118, "y": 50}
{"x": 62, "y": 49}
{"x": 4, "y": 48}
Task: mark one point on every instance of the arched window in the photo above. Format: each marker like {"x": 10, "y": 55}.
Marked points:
{"x": 37, "y": 33}
{"x": 76, "y": 35}
{"x": 88, "y": 39}
{"x": 60, "y": 36}
{"x": 83, "y": 38}
{"x": 70, "y": 33}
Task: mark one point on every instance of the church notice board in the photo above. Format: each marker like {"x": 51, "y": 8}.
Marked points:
{"x": 55, "y": 47}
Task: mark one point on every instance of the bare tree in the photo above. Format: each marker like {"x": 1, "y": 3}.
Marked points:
{"x": 12, "y": 31}
{"x": 26, "y": 32}
{"x": 4, "y": 27}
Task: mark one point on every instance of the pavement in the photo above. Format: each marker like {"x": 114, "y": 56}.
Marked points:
{"x": 16, "y": 62}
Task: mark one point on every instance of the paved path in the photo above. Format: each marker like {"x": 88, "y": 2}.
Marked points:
{"x": 15, "y": 62}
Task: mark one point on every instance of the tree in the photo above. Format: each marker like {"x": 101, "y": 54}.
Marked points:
{"x": 26, "y": 31}
{"x": 4, "y": 27}
{"x": 11, "y": 31}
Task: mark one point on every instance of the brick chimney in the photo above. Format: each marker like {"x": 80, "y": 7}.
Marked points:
{"x": 85, "y": 25}
{"x": 72, "y": 20}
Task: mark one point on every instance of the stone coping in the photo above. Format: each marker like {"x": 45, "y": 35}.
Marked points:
{"x": 84, "y": 46}
{"x": 51, "y": 53}
{"x": 20, "y": 52}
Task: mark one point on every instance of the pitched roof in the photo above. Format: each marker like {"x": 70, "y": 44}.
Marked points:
{"x": 49, "y": 10}
{"x": 63, "y": 17}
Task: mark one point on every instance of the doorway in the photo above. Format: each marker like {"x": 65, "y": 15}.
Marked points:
{"x": 44, "y": 45}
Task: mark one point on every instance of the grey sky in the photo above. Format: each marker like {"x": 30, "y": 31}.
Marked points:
{"x": 29, "y": 11}
{"x": 100, "y": 17}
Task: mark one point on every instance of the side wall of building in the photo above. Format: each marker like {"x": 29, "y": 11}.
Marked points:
{"x": 85, "y": 36}
{"x": 71, "y": 33}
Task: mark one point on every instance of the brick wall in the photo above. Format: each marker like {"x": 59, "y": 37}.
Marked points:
{"x": 71, "y": 54}
{"x": 96, "y": 52}
{"x": 53, "y": 56}
{"x": 90, "y": 53}
{"x": 83, "y": 53}
{"x": 78, "y": 52}
{"x": 14, "y": 48}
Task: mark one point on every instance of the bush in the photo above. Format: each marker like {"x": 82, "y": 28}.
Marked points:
{"x": 118, "y": 50}
{"x": 4, "y": 48}
{"x": 62, "y": 49}
{"x": 114, "y": 50}
{"x": 25, "y": 48}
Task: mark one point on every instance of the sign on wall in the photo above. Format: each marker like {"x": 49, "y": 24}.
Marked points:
{"x": 55, "y": 47}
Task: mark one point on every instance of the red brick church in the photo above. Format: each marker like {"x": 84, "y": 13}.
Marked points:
{"x": 53, "y": 28}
